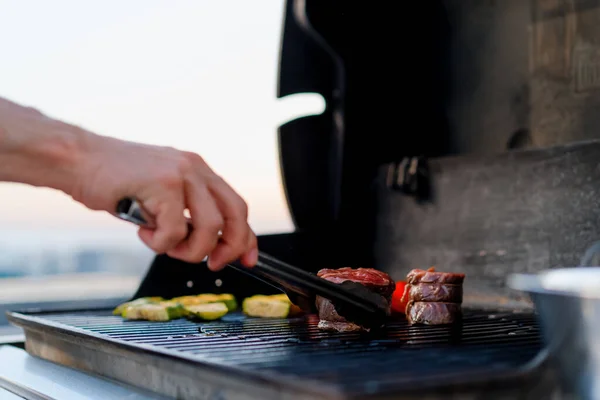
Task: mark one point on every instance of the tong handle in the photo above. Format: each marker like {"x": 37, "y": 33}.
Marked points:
{"x": 130, "y": 210}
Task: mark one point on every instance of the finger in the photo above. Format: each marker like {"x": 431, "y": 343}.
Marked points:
{"x": 207, "y": 221}
{"x": 171, "y": 227}
{"x": 250, "y": 257}
{"x": 236, "y": 232}
{"x": 226, "y": 251}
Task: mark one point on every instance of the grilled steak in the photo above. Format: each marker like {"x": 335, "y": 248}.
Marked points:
{"x": 377, "y": 281}
{"x": 436, "y": 313}
{"x": 431, "y": 276}
{"x": 330, "y": 320}
{"x": 434, "y": 298}
{"x": 444, "y": 292}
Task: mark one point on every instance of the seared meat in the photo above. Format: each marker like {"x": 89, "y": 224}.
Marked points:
{"x": 377, "y": 281}
{"x": 330, "y": 320}
{"x": 443, "y": 292}
{"x": 327, "y": 310}
{"x": 434, "y": 298}
{"x": 433, "y": 313}
{"x": 340, "y": 326}
{"x": 431, "y": 276}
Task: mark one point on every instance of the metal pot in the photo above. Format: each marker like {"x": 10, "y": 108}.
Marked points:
{"x": 567, "y": 301}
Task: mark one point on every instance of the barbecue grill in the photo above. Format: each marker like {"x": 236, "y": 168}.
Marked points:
{"x": 437, "y": 147}
{"x": 253, "y": 358}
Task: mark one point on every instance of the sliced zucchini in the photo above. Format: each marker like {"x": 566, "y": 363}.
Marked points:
{"x": 280, "y": 297}
{"x": 197, "y": 299}
{"x": 142, "y": 300}
{"x": 153, "y": 312}
{"x": 266, "y": 307}
{"x": 294, "y": 309}
{"x": 206, "y": 298}
{"x": 207, "y": 311}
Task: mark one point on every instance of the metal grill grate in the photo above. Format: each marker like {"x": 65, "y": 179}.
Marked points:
{"x": 398, "y": 358}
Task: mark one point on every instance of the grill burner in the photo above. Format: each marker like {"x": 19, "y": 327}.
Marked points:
{"x": 295, "y": 355}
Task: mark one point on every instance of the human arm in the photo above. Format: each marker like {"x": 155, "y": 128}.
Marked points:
{"x": 98, "y": 171}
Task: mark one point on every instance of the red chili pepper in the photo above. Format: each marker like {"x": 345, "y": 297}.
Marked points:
{"x": 398, "y": 302}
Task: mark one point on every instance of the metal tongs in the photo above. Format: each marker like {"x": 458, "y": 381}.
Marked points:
{"x": 352, "y": 300}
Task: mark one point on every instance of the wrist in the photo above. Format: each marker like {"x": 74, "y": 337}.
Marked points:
{"x": 48, "y": 154}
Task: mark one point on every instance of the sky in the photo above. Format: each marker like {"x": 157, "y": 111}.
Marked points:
{"x": 198, "y": 75}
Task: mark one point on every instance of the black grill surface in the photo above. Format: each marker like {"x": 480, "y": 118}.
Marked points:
{"x": 401, "y": 357}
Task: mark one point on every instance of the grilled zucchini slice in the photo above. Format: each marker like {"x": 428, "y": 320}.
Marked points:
{"x": 266, "y": 307}
{"x": 196, "y": 299}
{"x": 154, "y": 311}
{"x": 207, "y": 311}
{"x": 294, "y": 309}
{"x": 142, "y": 300}
{"x": 206, "y": 298}
{"x": 280, "y": 297}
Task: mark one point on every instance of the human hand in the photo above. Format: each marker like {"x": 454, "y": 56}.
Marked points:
{"x": 167, "y": 181}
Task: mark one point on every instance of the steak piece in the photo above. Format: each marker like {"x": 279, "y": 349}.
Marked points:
{"x": 431, "y": 276}
{"x": 432, "y": 292}
{"x": 433, "y": 313}
{"x": 433, "y": 298}
{"x": 377, "y": 281}
{"x": 330, "y": 320}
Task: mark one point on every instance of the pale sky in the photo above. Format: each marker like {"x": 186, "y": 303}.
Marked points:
{"x": 199, "y": 75}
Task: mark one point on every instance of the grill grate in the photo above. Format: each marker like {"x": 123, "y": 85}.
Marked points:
{"x": 401, "y": 357}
